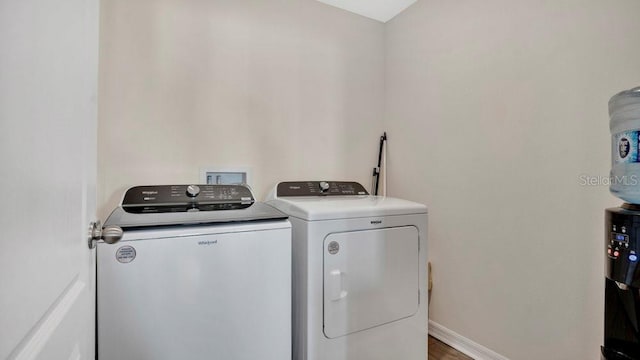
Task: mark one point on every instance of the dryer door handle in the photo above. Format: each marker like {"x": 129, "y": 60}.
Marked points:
{"x": 336, "y": 290}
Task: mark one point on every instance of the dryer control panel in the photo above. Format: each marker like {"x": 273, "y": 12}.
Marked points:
{"x": 320, "y": 188}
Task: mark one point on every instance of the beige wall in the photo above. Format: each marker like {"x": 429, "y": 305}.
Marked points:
{"x": 293, "y": 89}
{"x": 495, "y": 110}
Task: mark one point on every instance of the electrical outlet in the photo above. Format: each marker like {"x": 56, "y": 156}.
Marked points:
{"x": 221, "y": 175}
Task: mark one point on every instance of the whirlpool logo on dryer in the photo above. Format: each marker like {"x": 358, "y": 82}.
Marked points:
{"x": 208, "y": 242}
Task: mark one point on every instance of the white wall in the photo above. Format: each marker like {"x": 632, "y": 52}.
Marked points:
{"x": 292, "y": 89}
{"x": 495, "y": 109}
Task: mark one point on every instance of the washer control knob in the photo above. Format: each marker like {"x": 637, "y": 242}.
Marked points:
{"x": 193, "y": 190}
{"x": 324, "y": 186}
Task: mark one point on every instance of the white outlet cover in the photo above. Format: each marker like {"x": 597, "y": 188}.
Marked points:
{"x": 381, "y": 10}
{"x": 226, "y": 175}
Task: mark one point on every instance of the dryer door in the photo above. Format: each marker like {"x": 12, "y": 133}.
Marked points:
{"x": 371, "y": 278}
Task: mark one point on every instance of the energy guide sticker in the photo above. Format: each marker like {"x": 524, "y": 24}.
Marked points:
{"x": 126, "y": 254}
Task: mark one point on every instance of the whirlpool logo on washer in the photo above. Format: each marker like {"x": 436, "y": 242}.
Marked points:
{"x": 208, "y": 242}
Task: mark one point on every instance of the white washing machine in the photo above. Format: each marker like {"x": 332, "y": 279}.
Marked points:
{"x": 359, "y": 272}
{"x": 201, "y": 272}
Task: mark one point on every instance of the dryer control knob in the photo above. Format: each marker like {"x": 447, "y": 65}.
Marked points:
{"x": 324, "y": 186}
{"x": 193, "y": 190}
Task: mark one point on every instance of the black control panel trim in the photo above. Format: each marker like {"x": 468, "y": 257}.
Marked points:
{"x": 622, "y": 245}
{"x": 320, "y": 188}
{"x": 181, "y": 198}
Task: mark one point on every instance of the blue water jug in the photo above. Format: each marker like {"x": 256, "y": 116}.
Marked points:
{"x": 624, "y": 111}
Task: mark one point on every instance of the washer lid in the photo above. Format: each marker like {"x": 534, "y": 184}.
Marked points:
{"x": 341, "y": 207}
{"x": 165, "y": 205}
{"x": 127, "y": 220}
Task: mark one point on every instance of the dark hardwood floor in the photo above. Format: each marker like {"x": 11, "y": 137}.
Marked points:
{"x": 441, "y": 351}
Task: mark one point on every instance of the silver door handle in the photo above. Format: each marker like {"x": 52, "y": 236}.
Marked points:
{"x": 336, "y": 285}
{"x": 110, "y": 234}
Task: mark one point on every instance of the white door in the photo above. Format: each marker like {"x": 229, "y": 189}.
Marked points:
{"x": 48, "y": 86}
{"x": 371, "y": 278}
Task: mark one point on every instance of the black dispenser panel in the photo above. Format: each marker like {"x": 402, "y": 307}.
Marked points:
{"x": 622, "y": 283}
{"x": 622, "y": 250}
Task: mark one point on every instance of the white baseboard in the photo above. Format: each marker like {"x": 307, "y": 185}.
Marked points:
{"x": 462, "y": 344}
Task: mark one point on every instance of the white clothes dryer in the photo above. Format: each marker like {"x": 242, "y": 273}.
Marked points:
{"x": 359, "y": 272}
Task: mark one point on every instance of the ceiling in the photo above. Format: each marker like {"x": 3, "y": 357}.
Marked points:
{"x": 381, "y": 10}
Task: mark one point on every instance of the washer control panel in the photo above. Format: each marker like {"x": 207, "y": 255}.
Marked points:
{"x": 176, "y": 198}
{"x": 622, "y": 251}
{"x": 320, "y": 188}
